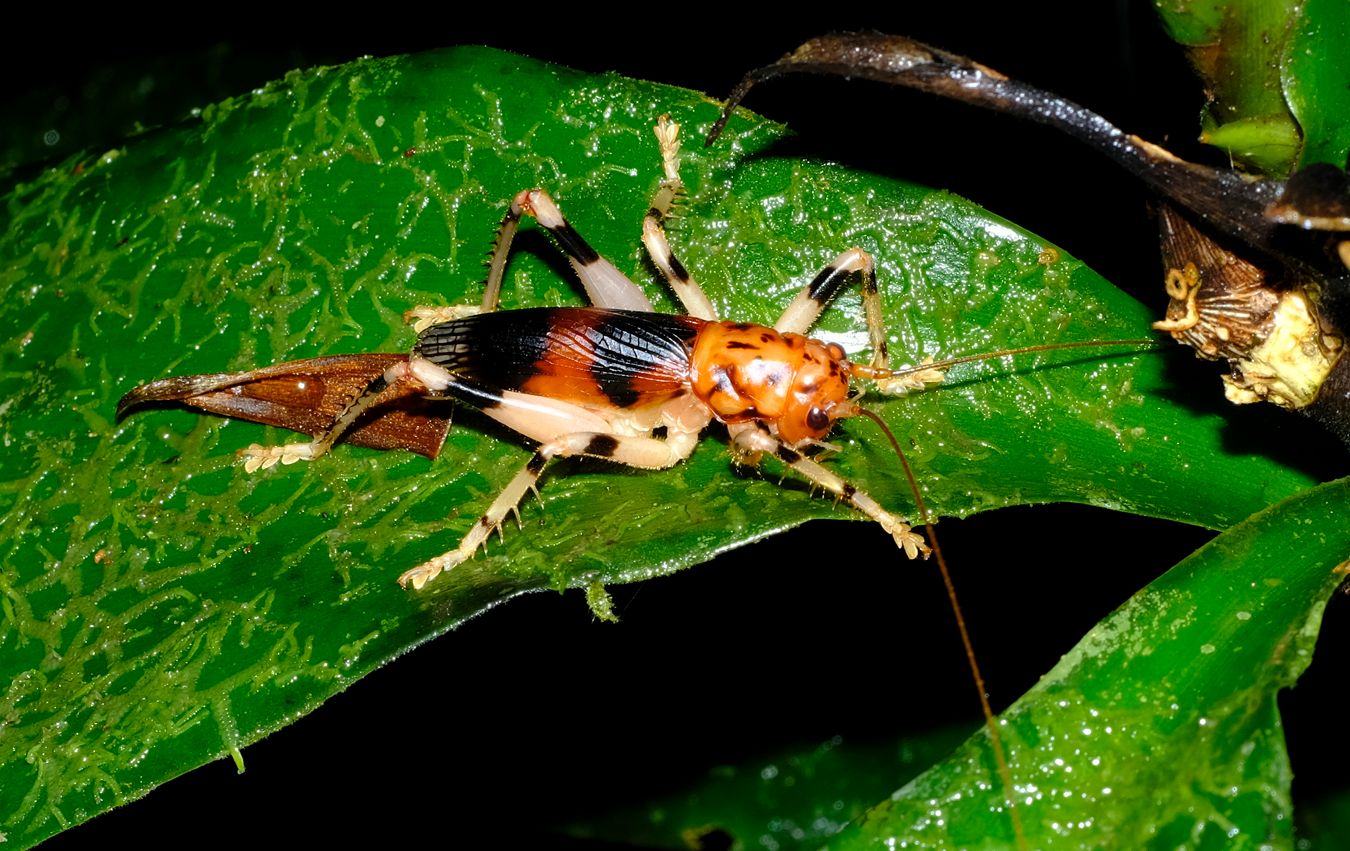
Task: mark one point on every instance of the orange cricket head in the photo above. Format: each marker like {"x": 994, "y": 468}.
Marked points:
{"x": 745, "y": 372}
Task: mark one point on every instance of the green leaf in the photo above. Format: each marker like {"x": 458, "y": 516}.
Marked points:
{"x": 1315, "y": 71}
{"x": 1276, "y": 71}
{"x": 1140, "y": 738}
{"x": 796, "y": 798}
{"x": 1327, "y": 819}
{"x": 1235, "y": 46}
{"x": 162, "y": 608}
{"x": 1159, "y": 730}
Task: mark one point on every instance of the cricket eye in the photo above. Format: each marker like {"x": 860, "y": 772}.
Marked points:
{"x": 817, "y": 419}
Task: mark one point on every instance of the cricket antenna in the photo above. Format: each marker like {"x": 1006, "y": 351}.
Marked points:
{"x": 885, "y": 374}
{"x": 990, "y": 720}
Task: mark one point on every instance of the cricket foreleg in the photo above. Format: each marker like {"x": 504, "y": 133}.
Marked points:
{"x": 752, "y": 440}
{"x": 258, "y": 457}
{"x": 805, "y": 309}
{"x": 688, "y": 291}
{"x": 645, "y": 452}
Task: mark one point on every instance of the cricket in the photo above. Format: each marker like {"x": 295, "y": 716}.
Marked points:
{"x": 621, "y": 382}
{"x": 599, "y": 381}
{"x": 602, "y": 381}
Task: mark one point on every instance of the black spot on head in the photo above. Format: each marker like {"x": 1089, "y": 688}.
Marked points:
{"x": 740, "y": 326}
{"x": 737, "y": 344}
{"x": 766, "y": 337}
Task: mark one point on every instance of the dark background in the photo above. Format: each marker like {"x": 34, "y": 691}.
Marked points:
{"x": 542, "y": 711}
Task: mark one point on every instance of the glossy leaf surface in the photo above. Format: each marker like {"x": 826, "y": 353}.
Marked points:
{"x": 162, "y": 608}
{"x": 1159, "y": 730}
{"x": 1277, "y": 73}
{"x": 1139, "y": 738}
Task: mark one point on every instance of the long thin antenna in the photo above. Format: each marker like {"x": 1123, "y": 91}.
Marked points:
{"x": 874, "y": 373}
{"x": 990, "y": 720}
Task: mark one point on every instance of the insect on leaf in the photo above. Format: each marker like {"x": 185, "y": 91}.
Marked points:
{"x": 163, "y": 608}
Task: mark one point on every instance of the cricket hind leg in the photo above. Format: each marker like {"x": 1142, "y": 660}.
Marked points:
{"x": 690, "y": 294}
{"x": 651, "y": 453}
{"x": 605, "y": 285}
{"x": 753, "y": 440}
